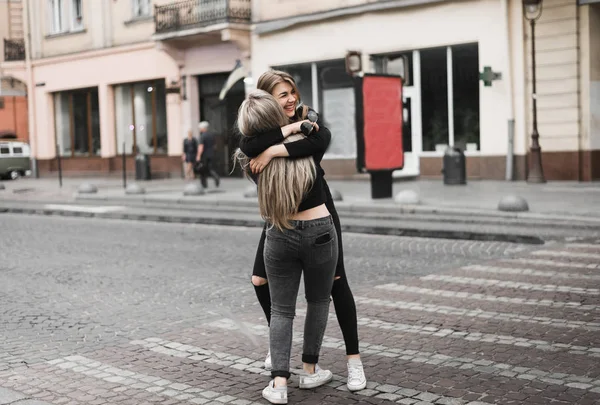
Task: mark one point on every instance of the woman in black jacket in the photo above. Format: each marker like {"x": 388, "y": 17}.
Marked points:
{"x": 262, "y": 149}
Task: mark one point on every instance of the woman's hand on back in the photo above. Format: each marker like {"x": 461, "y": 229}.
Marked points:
{"x": 259, "y": 163}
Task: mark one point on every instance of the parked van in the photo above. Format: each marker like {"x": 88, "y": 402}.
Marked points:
{"x": 14, "y": 159}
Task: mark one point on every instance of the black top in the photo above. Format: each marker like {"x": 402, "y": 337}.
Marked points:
{"x": 208, "y": 140}
{"x": 190, "y": 147}
{"x": 314, "y": 145}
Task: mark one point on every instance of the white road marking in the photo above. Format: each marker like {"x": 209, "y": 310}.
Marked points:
{"x": 477, "y": 313}
{"x": 564, "y": 253}
{"x": 487, "y": 297}
{"x": 84, "y": 208}
{"x": 553, "y": 263}
{"x": 511, "y": 284}
{"x": 529, "y": 272}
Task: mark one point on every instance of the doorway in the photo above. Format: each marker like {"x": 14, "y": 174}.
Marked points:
{"x": 221, "y": 115}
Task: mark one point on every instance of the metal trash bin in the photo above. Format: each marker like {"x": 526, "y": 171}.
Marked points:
{"x": 142, "y": 167}
{"x": 454, "y": 166}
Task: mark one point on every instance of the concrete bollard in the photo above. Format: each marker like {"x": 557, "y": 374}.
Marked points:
{"x": 87, "y": 188}
{"x": 193, "y": 189}
{"x": 135, "y": 189}
{"x": 251, "y": 192}
{"x": 513, "y": 203}
{"x": 336, "y": 195}
{"x": 2, "y": 186}
{"x": 407, "y": 197}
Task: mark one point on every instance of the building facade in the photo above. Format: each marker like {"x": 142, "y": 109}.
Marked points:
{"x": 446, "y": 45}
{"x": 141, "y": 73}
{"x": 107, "y": 78}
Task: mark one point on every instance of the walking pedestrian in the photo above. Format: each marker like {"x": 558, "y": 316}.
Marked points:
{"x": 206, "y": 152}
{"x": 190, "y": 151}
{"x": 263, "y": 149}
{"x": 300, "y": 239}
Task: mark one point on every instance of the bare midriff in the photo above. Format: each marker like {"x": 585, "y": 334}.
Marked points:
{"x": 317, "y": 212}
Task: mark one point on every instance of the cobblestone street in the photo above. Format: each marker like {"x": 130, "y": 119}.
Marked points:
{"x": 100, "y": 311}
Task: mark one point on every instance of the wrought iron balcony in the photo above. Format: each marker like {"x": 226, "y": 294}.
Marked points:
{"x": 14, "y": 49}
{"x": 200, "y": 13}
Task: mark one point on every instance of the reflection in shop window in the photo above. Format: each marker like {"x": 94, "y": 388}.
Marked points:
{"x": 77, "y": 122}
{"x": 141, "y": 117}
{"x": 335, "y": 101}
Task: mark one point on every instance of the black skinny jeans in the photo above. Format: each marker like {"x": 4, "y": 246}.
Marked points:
{"x": 343, "y": 300}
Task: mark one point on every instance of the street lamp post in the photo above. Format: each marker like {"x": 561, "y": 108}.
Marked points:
{"x": 532, "y": 12}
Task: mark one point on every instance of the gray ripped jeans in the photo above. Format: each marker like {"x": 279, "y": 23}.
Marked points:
{"x": 310, "y": 247}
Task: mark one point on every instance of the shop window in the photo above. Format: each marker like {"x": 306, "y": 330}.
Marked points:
{"x": 77, "y": 122}
{"x": 465, "y": 85}
{"x": 333, "y": 99}
{"x": 141, "y": 117}
{"x": 434, "y": 99}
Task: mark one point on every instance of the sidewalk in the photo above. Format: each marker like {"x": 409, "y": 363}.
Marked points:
{"x": 555, "y": 200}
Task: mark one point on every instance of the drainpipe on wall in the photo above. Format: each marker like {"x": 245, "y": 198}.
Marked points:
{"x": 509, "y": 90}
{"x": 30, "y": 90}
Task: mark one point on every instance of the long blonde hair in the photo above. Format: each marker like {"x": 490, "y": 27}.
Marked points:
{"x": 284, "y": 182}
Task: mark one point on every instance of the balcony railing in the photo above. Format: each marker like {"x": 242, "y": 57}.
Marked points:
{"x": 200, "y": 13}
{"x": 14, "y": 49}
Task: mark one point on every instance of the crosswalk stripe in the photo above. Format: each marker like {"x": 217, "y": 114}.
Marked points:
{"x": 564, "y": 253}
{"x": 511, "y": 284}
{"x": 584, "y": 246}
{"x": 529, "y": 272}
{"x": 553, "y": 263}
{"x": 500, "y": 316}
{"x": 463, "y": 363}
{"x": 155, "y": 385}
{"x": 480, "y": 337}
{"x": 487, "y": 297}
{"x": 375, "y": 390}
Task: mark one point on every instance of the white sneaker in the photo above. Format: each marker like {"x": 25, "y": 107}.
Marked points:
{"x": 320, "y": 377}
{"x": 275, "y": 395}
{"x": 268, "y": 363}
{"x": 356, "y": 375}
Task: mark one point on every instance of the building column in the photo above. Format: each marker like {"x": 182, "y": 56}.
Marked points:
{"x": 190, "y": 110}
{"x": 108, "y": 142}
{"x": 174, "y": 124}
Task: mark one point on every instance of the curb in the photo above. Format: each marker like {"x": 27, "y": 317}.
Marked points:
{"x": 360, "y": 208}
{"x": 373, "y": 230}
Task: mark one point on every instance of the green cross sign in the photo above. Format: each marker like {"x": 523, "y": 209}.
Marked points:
{"x": 488, "y": 76}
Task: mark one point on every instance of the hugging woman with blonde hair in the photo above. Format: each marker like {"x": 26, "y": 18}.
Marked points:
{"x": 300, "y": 239}
{"x": 262, "y": 149}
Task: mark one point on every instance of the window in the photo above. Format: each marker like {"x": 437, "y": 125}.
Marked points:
{"x": 77, "y": 122}
{"x": 141, "y": 117}
{"x": 141, "y": 8}
{"x": 65, "y": 15}
{"x": 4, "y": 150}
{"x": 76, "y": 15}
{"x": 56, "y": 13}
{"x": 17, "y": 150}
{"x": 327, "y": 87}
